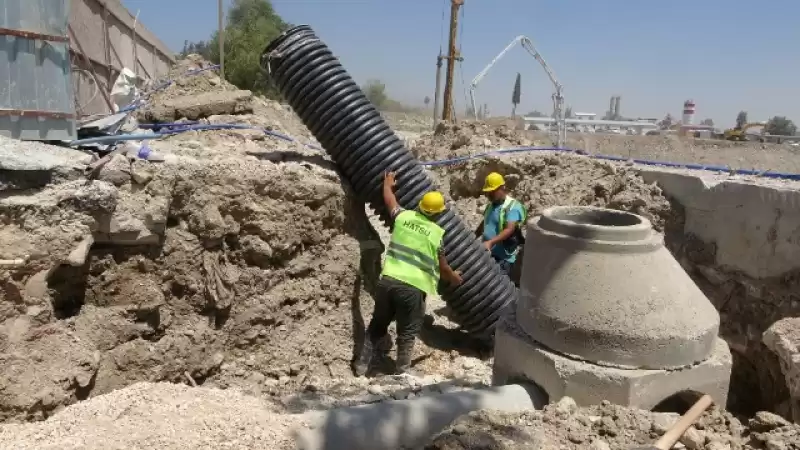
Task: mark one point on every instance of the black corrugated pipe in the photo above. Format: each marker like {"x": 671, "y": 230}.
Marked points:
{"x": 363, "y": 146}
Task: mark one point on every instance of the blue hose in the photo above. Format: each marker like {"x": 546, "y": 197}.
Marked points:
{"x": 173, "y": 128}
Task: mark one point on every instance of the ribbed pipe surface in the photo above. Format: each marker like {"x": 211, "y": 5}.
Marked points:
{"x": 354, "y": 134}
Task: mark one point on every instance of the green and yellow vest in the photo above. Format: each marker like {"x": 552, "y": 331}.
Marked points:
{"x": 413, "y": 255}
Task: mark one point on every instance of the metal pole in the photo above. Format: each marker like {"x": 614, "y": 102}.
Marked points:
{"x": 135, "y": 44}
{"x": 221, "y": 14}
{"x": 447, "y": 109}
{"x": 437, "y": 94}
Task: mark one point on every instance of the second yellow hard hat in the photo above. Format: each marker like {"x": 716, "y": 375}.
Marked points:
{"x": 493, "y": 181}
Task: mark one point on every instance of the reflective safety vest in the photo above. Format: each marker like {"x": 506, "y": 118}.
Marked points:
{"x": 413, "y": 255}
{"x": 507, "y": 204}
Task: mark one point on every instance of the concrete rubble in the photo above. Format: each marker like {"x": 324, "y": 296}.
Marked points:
{"x": 563, "y": 425}
{"x": 241, "y": 262}
{"x": 783, "y": 338}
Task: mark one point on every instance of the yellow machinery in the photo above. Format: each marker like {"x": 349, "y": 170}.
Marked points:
{"x": 740, "y": 133}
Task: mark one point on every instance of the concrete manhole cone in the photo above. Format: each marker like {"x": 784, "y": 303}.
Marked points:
{"x": 599, "y": 285}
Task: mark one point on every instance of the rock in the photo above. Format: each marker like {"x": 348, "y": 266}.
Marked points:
{"x": 296, "y": 368}
{"x": 460, "y": 429}
{"x": 774, "y": 444}
{"x": 767, "y": 421}
{"x": 693, "y": 439}
{"x": 199, "y": 106}
{"x": 401, "y": 394}
{"x": 375, "y": 389}
{"x": 599, "y": 444}
{"x": 566, "y": 407}
{"x": 717, "y": 445}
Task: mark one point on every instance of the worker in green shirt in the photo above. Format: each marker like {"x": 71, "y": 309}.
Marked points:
{"x": 411, "y": 270}
{"x": 501, "y": 230}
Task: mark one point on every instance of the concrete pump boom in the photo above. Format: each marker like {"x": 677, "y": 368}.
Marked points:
{"x": 558, "y": 97}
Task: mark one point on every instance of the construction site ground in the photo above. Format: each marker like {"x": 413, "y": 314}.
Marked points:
{"x": 208, "y": 300}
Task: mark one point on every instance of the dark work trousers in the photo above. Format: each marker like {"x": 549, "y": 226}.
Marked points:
{"x": 512, "y": 270}
{"x": 401, "y": 302}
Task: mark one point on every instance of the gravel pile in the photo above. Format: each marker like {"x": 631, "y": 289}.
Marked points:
{"x": 159, "y": 416}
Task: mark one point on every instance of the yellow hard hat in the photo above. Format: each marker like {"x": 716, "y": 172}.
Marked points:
{"x": 493, "y": 181}
{"x": 432, "y": 203}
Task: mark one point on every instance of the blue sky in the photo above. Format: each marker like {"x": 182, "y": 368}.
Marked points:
{"x": 725, "y": 54}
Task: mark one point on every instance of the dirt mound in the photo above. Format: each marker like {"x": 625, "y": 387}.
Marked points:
{"x": 550, "y": 179}
{"x": 467, "y": 138}
{"x": 195, "y": 91}
{"x": 604, "y": 427}
{"x": 239, "y": 261}
{"x": 162, "y": 415}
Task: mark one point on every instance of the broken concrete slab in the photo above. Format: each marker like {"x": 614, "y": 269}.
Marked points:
{"x": 35, "y": 156}
{"x": 199, "y": 106}
{"x": 783, "y": 338}
{"x": 33, "y": 165}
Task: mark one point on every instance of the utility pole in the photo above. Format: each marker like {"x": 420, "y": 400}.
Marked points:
{"x": 221, "y": 34}
{"x": 437, "y": 94}
{"x": 452, "y": 57}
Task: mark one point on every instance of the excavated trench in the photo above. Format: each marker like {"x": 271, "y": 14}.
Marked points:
{"x": 262, "y": 275}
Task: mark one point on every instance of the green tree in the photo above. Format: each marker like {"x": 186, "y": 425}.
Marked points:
{"x": 250, "y": 26}
{"x": 707, "y": 122}
{"x": 667, "y": 122}
{"x": 536, "y": 113}
{"x": 516, "y": 94}
{"x": 427, "y": 101}
{"x": 741, "y": 120}
{"x": 780, "y": 125}
{"x": 376, "y": 93}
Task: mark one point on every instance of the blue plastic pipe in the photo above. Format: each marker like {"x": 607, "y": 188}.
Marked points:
{"x": 173, "y": 128}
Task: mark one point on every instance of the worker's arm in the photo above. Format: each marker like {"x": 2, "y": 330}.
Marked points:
{"x": 447, "y": 273}
{"x": 479, "y": 231}
{"x": 389, "y": 198}
{"x": 513, "y": 217}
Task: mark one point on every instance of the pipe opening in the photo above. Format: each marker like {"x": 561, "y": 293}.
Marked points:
{"x": 597, "y": 217}
{"x": 592, "y": 223}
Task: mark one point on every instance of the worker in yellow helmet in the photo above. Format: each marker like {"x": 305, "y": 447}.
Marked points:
{"x": 411, "y": 270}
{"x": 502, "y": 224}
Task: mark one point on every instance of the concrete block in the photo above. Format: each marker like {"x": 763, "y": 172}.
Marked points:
{"x": 520, "y": 358}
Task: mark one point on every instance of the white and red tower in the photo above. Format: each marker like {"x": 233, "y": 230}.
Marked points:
{"x": 688, "y": 112}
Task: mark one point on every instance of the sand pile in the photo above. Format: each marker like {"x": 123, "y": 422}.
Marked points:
{"x": 605, "y": 427}
{"x": 163, "y": 416}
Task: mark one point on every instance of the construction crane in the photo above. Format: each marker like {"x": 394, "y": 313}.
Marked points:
{"x": 558, "y": 95}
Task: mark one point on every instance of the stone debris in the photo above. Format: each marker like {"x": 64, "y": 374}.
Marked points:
{"x": 551, "y": 179}
{"x": 562, "y": 425}
{"x": 160, "y": 415}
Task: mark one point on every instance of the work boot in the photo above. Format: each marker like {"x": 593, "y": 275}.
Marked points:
{"x": 405, "y": 351}
{"x": 361, "y": 364}
{"x": 385, "y": 344}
